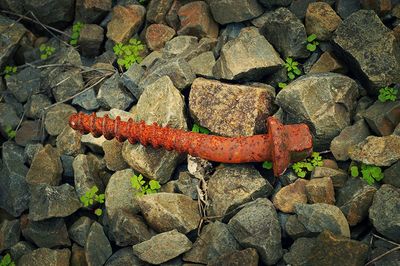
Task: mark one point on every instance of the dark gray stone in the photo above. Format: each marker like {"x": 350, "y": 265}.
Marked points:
{"x": 51, "y": 11}
{"x": 180, "y": 46}
{"x": 285, "y": 32}
{"x": 294, "y": 228}
{"x": 92, "y": 12}
{"x": 86, "y": 174}
{"x": 202, "y": 65}
{"x": 10, "y": 38}
{"x": 230, "y": 32}
{"x": 12, "y": 5}
{"x": 257, "y": 226}
{"x": 164, "y": 246}
{"x": 112, "y": 94}
{"x": 382, "y": 118}
{"x": 157, "y": 10}
{"x": 36, "y": 104}
{"x": 269, "y": 4}
{"x": 90, "y": 39}
{"x": 67, "y": 165}
{"x": 24, "y": 83}
{"x": 57, "y": 118}
{"x": 345, "y": 8}
{"x": 370, "y": 49}
{"x": 20, "y": 249}
{"x": 392, "y": 175}
{"x": 97, "y": 247}
{"x": 131, "y": 79}
{"x": 187, "y": 184}
{"x": 338, "y": 176}
{"x": 9, "y": 234}
{"x": 113, "y": 155}
{"x": 87, "y": 100}
{"x": 46, "y": 256}
{"x": 248, "y": 257}
{"x": 8, "y": 118}
{"x": 48, "y": 202}
{"x": 228, "y": 11}
{"x": 384, "y": 212}
{"x": 299, "y": 7}
{"x": 69, "y": 142}
{"x": 300, "y": 250}
{"x": 79, "y": 230}
{"x": 215, "y": 240}
{"x": 124, "y": 257}
{"x": 50, "y": 233}
{"x": 30, "y": 151}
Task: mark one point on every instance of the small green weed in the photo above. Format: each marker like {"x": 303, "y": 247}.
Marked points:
{"x": 199, "y": 129}
{"x": 387, "y": 94}
{"x": 91, "y": 197}
{"x": 76, "y": 32}
{"x": 9, "y": 70}
{"x": 307, "y": 165}
{"x": 10, "y": 132}
{"x": 267, "y": 165}
{"x": 312, "y": 43}
{"x": 6, "y": 261}
{"x": 142, "y": 2}
{"x": 128, "y": 54}
{"x": 282, "y": 85}
{"x": 142, "y": 188}
{"x": 370, "y": 173}
{"x": 46, "y": 51}
{"x": 292, "y": 68}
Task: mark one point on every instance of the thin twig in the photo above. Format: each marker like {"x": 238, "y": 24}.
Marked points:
{"x": 382, "y": 255}
{"x": 387, "y": 240}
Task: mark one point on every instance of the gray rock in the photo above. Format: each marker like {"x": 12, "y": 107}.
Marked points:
{"x": 286, "y": 197}
{"x": 24, "y": 83}
{"x": 257, "y": 226}
{"x": 30, "y": 151}
{"x": 113, "y": 155}
{"x": 46, "y": 256}
{"x": 198, "y": 167}
{"x": 392, "y": 175}
{"x": 20, "y": 249}
{"x": 86, "y": 174}
{"x": 93, "y": 143}
{"x": 12, "y": 5}
{"x": 369, "y": 49}
{"x": 14, "y": 190}
{"x": 248, "y": 256}
{"x": 384, "y": 212}
{"x": 187, "y": 184}
{"x": 167, "y": 211}
{"x": 57, "y": 118}
{"x": 233, "y": 110}
{"x": 180, "y": 46}
{"x": 35, "y": 105}
{"x": 97, "y": 246}
{"x": 379, "y": 151}
{"x": 164, "y": 247}
{"x": 124, "y": 257}
{"x": 294, "y": 228}
{"x": 320, "y": 216}
{"x": 49, "y": 233}
{"x": 214, "y": 240}
{"x": 91, "y": 13}
{"x": 160, "y": 102}
{"x": 299, "y": 7}
{"x": 8, "y": 118}
{"x": 128, "y": 229}
{"x": 87, "y": 100}
{"x": 51, "y": 11}
{"x": 349, "y": 136}
{"x": 9, "y": 38}
{"x": 320, "y": 190}
{"x": 300, "y": 250}
{"x": 202, "y": 65}
{"x": 157, "y": 10}
{"x": 334, "y": 100}
{"x": 382, "y": 118}
{"x": 354, "y": 200}
{"x": 112, "y": 94}
{"x": 69, "y": 142}
{"x": 30, "y": 132}
{"x": 233, "y": 185}
{"x": 338, "y": 176}
{"x": 345, "y": 8}
{"x": 131, "y": 79}
{"x": 90, "y": 39}
{"x": 67, "y": 165}
{"x": 150, "y": 59}
{"x": 229, "y": 11}
{"x": 120, "y": 195}
{"x": 10, "y": 232}
{"x": 261, "y": 57}
{"x": 48, "y": 202}
{"x": 79, "y": 230}
{"x": 46, "y": 167}
{"x": 363, "y": 104}
{"x": 269, "y": 4}
{"x": 285, "y": 32}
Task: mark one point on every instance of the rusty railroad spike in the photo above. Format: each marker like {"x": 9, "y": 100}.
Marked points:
{"x": 282, "y": 145}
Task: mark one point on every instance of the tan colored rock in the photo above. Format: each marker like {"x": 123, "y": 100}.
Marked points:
{"x": 321, "y": 20}
{"x": 320, "y": 190}
{"x": 113, "y": 155}
{"x": 328, "y": 63}
{"x": 285, "y": 199}
{"x": 125, "y": 21}
{"x": 157, "y": 35}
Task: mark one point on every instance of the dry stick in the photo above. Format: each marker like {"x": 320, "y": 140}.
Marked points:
{"x": 382, "y": 255}
{"x": 387, "y": 240}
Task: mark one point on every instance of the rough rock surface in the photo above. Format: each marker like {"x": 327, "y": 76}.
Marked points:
{"x": 97, "y": 247}
{"x": 286, "y": 198}
{"x": 382, "y": 118}
{"x": 11, "y": 38}
{"x": 46, "y": 256}
{"x": 320, "y": 190}
{"x": 228, "y": 11}
{"x": 321, "y": 20}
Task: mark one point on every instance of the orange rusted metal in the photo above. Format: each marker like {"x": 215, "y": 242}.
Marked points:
{"x": 282, "y": 145}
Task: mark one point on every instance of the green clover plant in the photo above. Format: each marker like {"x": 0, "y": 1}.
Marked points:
{"x": 6, "y": 260}
{"x": 76, "y": 32}
{"x": 282, "y": 85}
{"x": 128, "y": 54}
{"x": 91, "y": 197}
{"x": 10, "y": 132}
{"x": 370, "y": 173}
{"x": 307, "y": 165}
{"x": 46, "y": 51}
{"x": 388, "y": 94}
{"x": 199, "y": 129}
{"x": 292, "y": 68}
{"x": 9, "y": 70}
{"x": 142, "y": 188}
{"x": 312, "y": 43}
{"x": 267, "y": 165}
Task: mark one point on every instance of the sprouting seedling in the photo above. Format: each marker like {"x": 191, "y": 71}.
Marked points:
{"x": 308, "y": 165}
{"x": 128, "y": 54}
{"x": 312, "y": 43}
{"x": 370, "y": 173}
{"x": 46, "y": 51}
{"x": 6, "y": 260}
{"x": 292, "y": 68}
{"x": 199, "y": 129}
{"x": 388, "y": 94}
{"x": 9, "y": 70}
{"x": 91, "y": 198}
{"x": 76, "y": 32}
{"x": 10, "y": 132}
{"x": 267, "y": 165}
{"x": 142, "y": 188}
{"x": 282, "y": 85}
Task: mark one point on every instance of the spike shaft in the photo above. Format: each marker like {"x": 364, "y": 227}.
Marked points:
{"x": 275, "y": 146}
